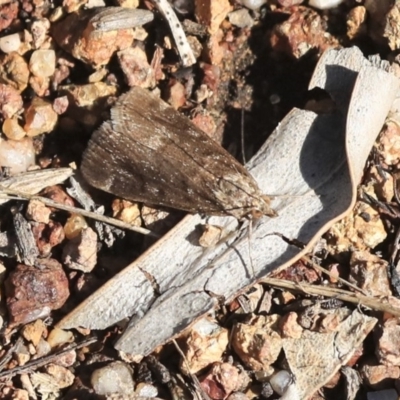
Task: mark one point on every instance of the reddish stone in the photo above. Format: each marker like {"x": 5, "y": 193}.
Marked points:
{"x": 31, "y": 292}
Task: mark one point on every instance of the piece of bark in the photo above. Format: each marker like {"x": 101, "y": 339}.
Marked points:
{"x": 35, "y": 181}
{"x": 26, "y": 246}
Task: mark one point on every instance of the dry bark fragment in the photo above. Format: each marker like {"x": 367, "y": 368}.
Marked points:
{"x": 26, "y": 246}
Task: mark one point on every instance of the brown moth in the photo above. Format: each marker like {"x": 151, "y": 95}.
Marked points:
{"x": 149, "y": 152}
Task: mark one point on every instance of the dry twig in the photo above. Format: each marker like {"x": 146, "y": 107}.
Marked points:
{"x": 340, "y": 294}
{"x": 41, "y": 362}
{"x": 89, "y": 214}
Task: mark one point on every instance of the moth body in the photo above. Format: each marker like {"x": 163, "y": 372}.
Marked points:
{"x": 149, "y": 152}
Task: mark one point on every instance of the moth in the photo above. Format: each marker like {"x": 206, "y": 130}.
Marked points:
{"x": 149, "y": 152}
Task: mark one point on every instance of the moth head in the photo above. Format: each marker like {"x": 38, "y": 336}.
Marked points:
{"x": 262, "y": 207}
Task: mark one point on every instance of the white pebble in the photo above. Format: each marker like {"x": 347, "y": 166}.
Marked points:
{"x": 253, "y": 4}
{"x": 324, "y": 4}
{"x": 58, "y": 337}
{"x": 43, "y": 63}
{"x": 241, "y": 18}
{"x": 146, "y": 390}
{"x": 17, "y": 156}
{"x": 114, "y": 378}
{"x": 280, "y": 381}
{"x": 10, "y": 43}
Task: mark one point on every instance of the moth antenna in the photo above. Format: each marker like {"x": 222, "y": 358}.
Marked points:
{"x": 285, "y": 196}
{"x": 249, "y": 249}
{"x": 242, "y": 135}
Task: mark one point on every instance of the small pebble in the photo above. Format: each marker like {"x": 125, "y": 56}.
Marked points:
{"x": 58, "y": 337}
{"x": 74, "y": 225}
{"x": 63, "y": 376}
{"x": 43, "y": 348}
{"x": 324, "y": 4}
{"x": 10, "y": 43}
{"x": 43, "y": 63}
{"x": 10, "y": 101}
{"x": 115, "y": 378}
{"x": 34, "y": 331}
{"x": 33, "y": 292}
{"x": 18, "y": 156}
{"x": 81, "y": 252}
{"x": 241, "y": 18}
{"x": 280, "y": 381}
{"x": 253, "y": 4}
{"x": 14, "y": 71}
{"x": 39, "y": 117}
{"x": 237, "y": 396}
{"x": 13, "y": 130}
{"x": 289, "y": 3}
{"x": 146, "y": 390}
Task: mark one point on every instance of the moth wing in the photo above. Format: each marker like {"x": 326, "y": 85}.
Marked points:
{"x": 149, "y": 152}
